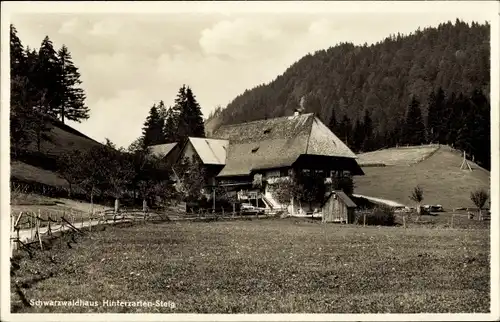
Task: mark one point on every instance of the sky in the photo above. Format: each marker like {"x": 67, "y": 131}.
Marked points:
{"x": 129, "y": 61}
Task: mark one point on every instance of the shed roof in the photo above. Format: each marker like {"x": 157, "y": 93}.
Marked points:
{"x": 345, "y": 198}
{"x": 210, "y": 151}
{"x": 277, "y": 142}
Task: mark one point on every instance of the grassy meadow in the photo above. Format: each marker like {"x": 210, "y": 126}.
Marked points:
{"x": 439, "y": 175}
{"x": 262, "y": 266}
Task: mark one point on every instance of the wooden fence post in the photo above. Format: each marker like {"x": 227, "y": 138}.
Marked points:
{"x": 39, "y": 235}
{"x": 49, "y": 231}
{"x": 364, "y": 219}
{"x": 234, "y": 209}
{"x": 404, "y": 221}
{"x": 222, "y": 211}
{"x": 117, "y": 207}
{"x": 31, "y": 226}
{"x": 452, "y": 217}
{"x": 91, "y": 215}
{"x": 18, "y": 238}
{"x": 12, "y": 222}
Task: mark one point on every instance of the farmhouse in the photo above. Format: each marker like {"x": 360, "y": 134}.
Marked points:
{"x": 268, "y": 149}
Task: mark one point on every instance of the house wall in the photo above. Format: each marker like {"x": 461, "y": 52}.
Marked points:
{"x": 189, "y": 151}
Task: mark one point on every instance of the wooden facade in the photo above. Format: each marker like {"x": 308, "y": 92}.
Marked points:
{"x": 338, "y": 208}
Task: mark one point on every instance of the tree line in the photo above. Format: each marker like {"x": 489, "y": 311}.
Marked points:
{"x": 174, "y": 124}
{"x": 45, "y": 84}
{"x": 373, "y": 86}
{"x": 136, "y": 173}
{"x": 458, "y": 120}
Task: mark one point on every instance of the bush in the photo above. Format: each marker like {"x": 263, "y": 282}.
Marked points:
{"x": 378, "y": 216}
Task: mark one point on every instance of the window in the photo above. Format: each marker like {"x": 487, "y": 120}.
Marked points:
{"x": 283, "y": 172}
{"x": 255, "y": 149}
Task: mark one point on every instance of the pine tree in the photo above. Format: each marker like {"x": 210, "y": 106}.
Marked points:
{"x": 170, "y": 126}
{"x": 190, "y": 119}
{"x": 153, "y": 128}
{"x": 194, "y": 115}
{"x": 480, "y": 128}
{"x": 345, "y": 130}
{"x": 162, "y": 111}
{"x": 358, "y": 135}
{"x": 436, "y": 117}
{"x": 332, "y": 125}
{"x": 17, "y": 55}
{"x": 367, "y": 144}
{"x": 71, "y": 96}
{"x": 180, "y": 105}
{"x": 47, "y": 77}
{"x": 457, "y": 107}
{"x": 414, "y": 128}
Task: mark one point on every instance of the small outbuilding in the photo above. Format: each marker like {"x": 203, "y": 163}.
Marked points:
{"x": 338, "y": 207}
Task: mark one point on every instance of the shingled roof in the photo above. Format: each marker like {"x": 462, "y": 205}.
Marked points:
{"x": 277, "y": 142}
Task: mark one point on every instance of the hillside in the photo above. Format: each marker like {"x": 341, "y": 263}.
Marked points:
{"x": 61, "y": 138}
{"x": 380, "y": 78}
{"x": 38, "y": 167}
{"x": 435, "y": 168}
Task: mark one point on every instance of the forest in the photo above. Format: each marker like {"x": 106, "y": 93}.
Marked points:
{"x": 431, "y": 86}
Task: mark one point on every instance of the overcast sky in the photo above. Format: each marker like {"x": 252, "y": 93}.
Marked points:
{"x": 130, "y": 61}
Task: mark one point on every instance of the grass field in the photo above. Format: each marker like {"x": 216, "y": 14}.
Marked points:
{"x": 439, "y": 175}
{"x": 264, "y": 266}
{"x": 397, "y": 156}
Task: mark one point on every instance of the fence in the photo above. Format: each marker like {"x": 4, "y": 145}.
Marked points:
{"x": 28, "y": 228}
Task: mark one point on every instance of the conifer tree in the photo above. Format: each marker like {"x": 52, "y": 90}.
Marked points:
{"x": 358, "y": 135}
{"x": 414, "y": 128}
{"x": 194, "y": 116}
{"x": 368, "y": 140}
{"x": 188, "y": 111}
{"x": 480, "y": 128}
{"x": 170, "y": 126}
{"x": 180, "y": 105}
{"x": 458, "y": 109}
{"x": 344, "y": 131}
{"x": 17, "y": 54}
{"x": 436, "y": 116}
{"x": 47, "y": 77}
{"x": 332, "y": 125}
{"x": 153, "y": 128}
{"x": 162, "y": 110}
{"x": 71, "y": 96}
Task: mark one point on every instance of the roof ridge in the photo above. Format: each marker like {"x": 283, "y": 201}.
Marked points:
{"x": 263, "y": 120}
{"x": 309, "y": 135}
{"x": 215, "y": 139}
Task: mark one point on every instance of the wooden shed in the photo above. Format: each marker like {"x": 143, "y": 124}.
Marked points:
{"x": 338, "y": 207}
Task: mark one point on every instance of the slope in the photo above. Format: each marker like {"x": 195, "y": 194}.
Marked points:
{"x": 379, "y": 78}
{"x": 38, "y": 168}
{"x": 435, "y": 168}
